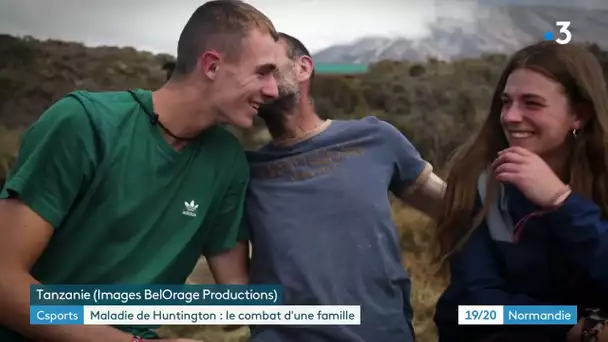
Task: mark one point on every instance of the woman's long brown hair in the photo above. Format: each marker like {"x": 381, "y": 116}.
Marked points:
{"x": 580, "y": 74}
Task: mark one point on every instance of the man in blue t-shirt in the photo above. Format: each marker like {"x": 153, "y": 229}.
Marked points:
{"x": 320, "y": 216}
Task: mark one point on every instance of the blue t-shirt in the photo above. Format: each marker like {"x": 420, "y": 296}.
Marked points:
{"x": 321, "y": 226}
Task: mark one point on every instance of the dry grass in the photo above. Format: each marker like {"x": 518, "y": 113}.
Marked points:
{"x": 416, "y": 237}
{"x": 9, "y": 145}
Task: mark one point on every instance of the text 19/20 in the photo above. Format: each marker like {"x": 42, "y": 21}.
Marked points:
{"x": 480, "y": 315}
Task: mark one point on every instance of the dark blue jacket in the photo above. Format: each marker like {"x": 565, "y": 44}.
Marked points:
{"x": 561, "y": 258}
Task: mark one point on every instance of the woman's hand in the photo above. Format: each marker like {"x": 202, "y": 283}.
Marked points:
{"x": 574, "y": 335}
{"x": 531, "y": 175}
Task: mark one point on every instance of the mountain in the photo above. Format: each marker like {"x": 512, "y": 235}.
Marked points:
{"x": 494, "y": 28}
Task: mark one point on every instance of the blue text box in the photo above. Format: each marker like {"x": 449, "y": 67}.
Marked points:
{"x": 56, "y": 315}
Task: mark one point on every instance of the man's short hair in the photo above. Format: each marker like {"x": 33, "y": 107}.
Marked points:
{"x": 221, "y": 25}
{"x": 295, "y": 48}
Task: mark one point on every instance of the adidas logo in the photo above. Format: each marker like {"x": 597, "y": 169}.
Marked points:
{"x": 190, "y": 209}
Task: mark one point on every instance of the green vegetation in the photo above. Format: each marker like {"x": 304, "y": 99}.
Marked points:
{"x": 436, "y": 104}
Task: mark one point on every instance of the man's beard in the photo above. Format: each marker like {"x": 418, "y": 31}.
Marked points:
{"x": 275, "y": 113}
{"x": 279, "y": 108}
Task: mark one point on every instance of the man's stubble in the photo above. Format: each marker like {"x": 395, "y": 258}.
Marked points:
{"x": 274, "y": 113}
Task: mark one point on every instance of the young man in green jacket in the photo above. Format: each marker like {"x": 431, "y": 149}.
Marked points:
{"x": 131, "y": 187}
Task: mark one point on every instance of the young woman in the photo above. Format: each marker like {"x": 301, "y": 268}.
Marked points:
{"x": 525, "y": 217}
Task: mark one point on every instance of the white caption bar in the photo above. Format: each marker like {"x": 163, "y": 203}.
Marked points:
{"x": 223, "y": 315}
{"x": 480, "y": 315}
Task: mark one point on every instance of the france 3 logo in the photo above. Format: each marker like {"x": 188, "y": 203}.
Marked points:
{"x": 564, "y": 37}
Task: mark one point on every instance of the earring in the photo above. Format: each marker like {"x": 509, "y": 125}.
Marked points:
{"x": 574, "y": 132}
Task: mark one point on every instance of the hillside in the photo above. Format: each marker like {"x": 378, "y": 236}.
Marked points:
{"x": 436, "y": 104}
{"x": 497, "y": 26}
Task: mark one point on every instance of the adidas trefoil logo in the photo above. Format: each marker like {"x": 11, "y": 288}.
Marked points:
{"x": 190, "y": 209}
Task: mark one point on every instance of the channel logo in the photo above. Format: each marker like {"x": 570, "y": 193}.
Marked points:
{"x": 564, "y": 36}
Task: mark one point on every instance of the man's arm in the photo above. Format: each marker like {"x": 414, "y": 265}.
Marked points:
{"x": 426, "y": 194}
{"x": 55, "y": 160}
{"x": 413, "y": 179}
{"x": 227, "y": 246}
{"x": 230, "y": 267}
{"x": 23, "y": 237}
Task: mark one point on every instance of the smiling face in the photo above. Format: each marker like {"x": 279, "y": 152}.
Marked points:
{"x": 289, "y": 75}
{"x": 536, "y": 114}
{"x": 244, "y": 84}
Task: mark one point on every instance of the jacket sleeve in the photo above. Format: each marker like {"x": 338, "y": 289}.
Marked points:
{"x": 582, "y": 233}
{"x": 476, "y": 280}
{"x": 475, "y": 271}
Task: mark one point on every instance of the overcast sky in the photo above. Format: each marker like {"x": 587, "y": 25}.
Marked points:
{"x": 155, "y": 25}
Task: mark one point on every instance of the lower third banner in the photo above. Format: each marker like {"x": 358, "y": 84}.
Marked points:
{"x": 196, "y": 315}
{"x": 517, "y": 315}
